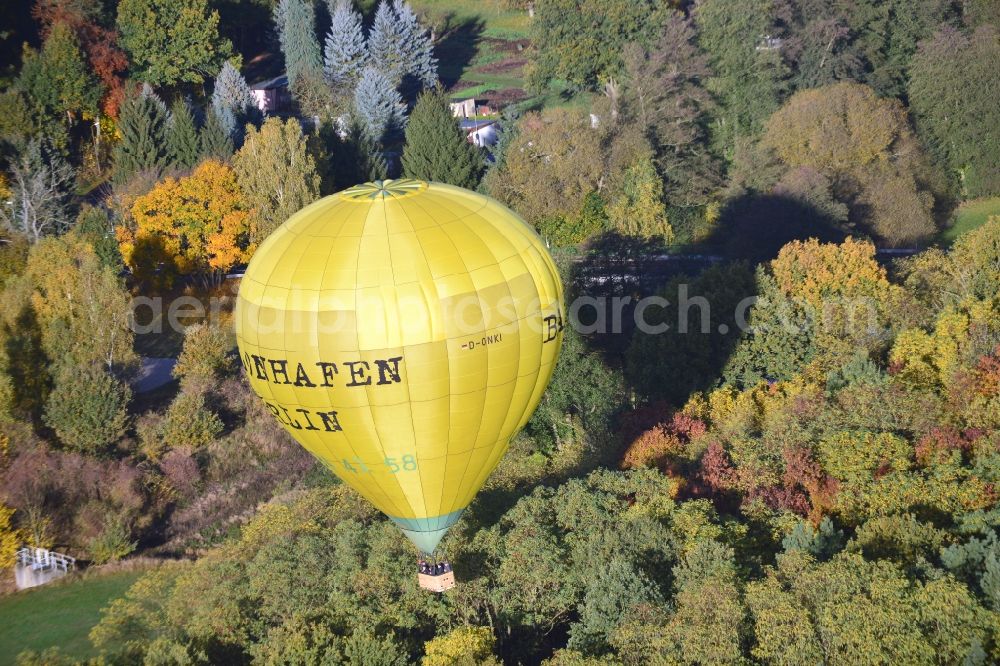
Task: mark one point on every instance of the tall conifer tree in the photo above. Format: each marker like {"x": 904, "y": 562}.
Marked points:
{"x": 378, "y": 107}
{"x": 436, "y": 148}
{"x": 344, "y": 53}
{"x": 216, "y": 141}
{"x": 183, "y": 146}
{"x": 296, "y": 24}
{"x": 143, "y": 127}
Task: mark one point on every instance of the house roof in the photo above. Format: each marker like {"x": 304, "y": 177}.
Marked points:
{"x": 277, "y": 82}
{"x": 473, "y": 125}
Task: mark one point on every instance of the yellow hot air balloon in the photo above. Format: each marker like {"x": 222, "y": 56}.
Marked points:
{"x": 402, "y": 332}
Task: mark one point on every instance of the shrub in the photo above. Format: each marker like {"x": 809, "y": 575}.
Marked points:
{"x": 87, "y": 408}
{"x": 205, "y": 355}
{"x": 114, "y": 542}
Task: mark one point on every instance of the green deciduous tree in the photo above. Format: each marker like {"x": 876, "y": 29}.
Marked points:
{"x": 581, "y": 42}
{"x": 951, "y": 77}
{"x": 582, "y": 396}
{"x": 806, "y": 612}
{"x": 615, "y": 590}
{"x": 436, "y": 148}
{"x": 59, "y": 79}
{"x": 749, "y": 73}
{"x": 87, "y": 408}
{"x": 276, "y": 174}
{"x": 94, "y": 226}
{"x": 172, "y": 41}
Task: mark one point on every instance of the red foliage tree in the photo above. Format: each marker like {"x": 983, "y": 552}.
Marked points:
{"x": 801, "y": 469}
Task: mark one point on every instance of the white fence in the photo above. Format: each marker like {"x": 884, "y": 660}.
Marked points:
{"x": 37, "y": 566}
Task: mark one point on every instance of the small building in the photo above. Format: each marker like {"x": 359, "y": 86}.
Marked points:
{"x": 471, "y": 108}
{"x": 481, "y": 133}
{"x": 272, "y": 95}
{"x": 465, "y": 108}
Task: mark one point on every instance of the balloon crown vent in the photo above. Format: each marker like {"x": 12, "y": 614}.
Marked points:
{"x": 382, "y": 189}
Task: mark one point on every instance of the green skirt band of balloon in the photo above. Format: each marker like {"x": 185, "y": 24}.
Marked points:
{"x": 426, "y": 533}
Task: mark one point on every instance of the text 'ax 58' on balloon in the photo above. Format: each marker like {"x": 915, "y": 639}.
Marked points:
{"x": 402, "y": 332}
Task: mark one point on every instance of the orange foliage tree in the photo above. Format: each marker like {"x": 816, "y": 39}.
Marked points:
{"x": 197, "y": 225}
{"x": 814, "y": 271}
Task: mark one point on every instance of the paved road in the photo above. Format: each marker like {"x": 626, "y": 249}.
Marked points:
{"x": 154, "y": 373}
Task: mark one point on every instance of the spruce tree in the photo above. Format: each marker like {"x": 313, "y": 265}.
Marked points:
{"x": 400, "y": 46}
{"x": 232, "y": 92}
{"x": 183, "y": 146}
{"x": 436, "y": 148}
{"x": 344, "y": 54}
{"x": 296, "y": 24}
{"x": 378, "y": 107}
{"x": 385, "y": 44}
{"x": 216, "y": 140}
{"x": 142, "y": 125}
{"x": 364, "y": 156}
{"x": 418, "y": 51}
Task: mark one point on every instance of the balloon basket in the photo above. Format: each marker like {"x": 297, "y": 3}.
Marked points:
{"x": 438, "y": 583}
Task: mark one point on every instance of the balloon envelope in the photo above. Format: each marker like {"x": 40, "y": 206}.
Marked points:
{"x": 402, "y": 332}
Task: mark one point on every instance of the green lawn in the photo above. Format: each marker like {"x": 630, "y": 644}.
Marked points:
{"x": 482, "y": 51}
{"x": 969, "y": 216}
{"x": 60, "y": 615}
{"x": 497, "y": 21}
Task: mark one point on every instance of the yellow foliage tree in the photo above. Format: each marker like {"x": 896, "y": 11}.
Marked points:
{"x": 638, "y": 210}
{"x": 930, "y": 360}
{"x": 10, "y": 537}
{"x": 198, "y": 225}
{"x": 844, "y": 293}
{"x": 81, "y": 305}
{"x": 814, "y": 271}
{"x": 472, "y": 646}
